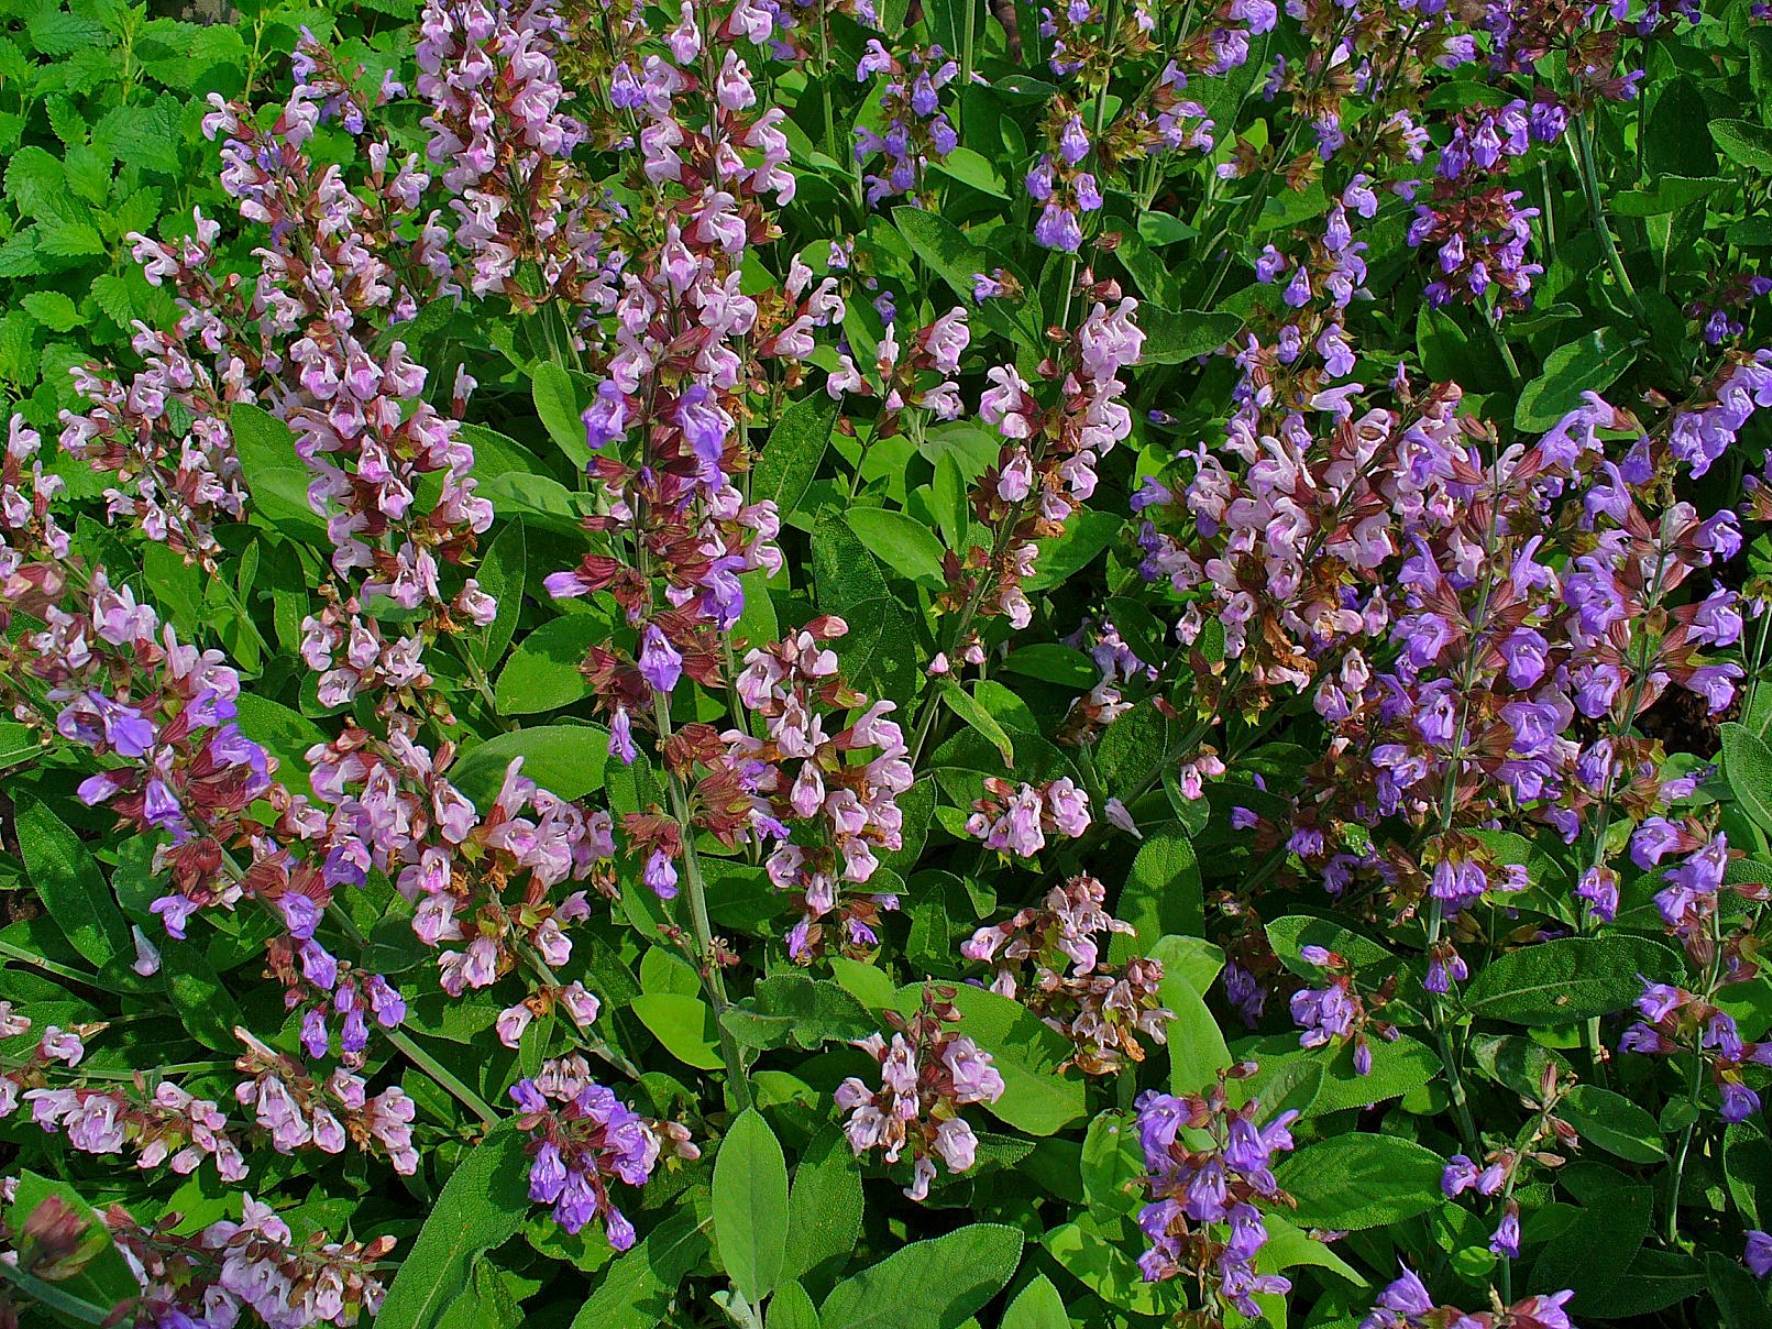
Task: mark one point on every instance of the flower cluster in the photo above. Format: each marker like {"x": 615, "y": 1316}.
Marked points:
{"x": 1407, "y": 1304}
{"x": 207, "y": 1279}
{"x": 582, "y": 1138}
{"x": 826, "y": 796}
{"x": 914, "y": 127}
{"x": 1678, "y": 1023}
{"x": 927, "y": 1074}
{"x": 1015, "y": 820}
{"x": 1100, "y": 1007}
{"x": 1209, "y": 1170}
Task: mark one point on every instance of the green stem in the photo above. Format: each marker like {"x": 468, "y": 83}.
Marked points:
{"x": 443, "y": 1076}
{"x": 1590, "y": 180}
{"x": 696, "y": 891}
{"x": 54, "y": 1297}
{"x": 24, "y": 956}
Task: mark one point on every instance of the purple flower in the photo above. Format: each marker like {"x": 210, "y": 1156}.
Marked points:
{"x": 660, "y": 664}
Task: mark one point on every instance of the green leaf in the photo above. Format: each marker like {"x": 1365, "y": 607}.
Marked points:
{"x": 1196, "y": 1044}
{"x": 275, "y": 476}
{"x": 1290, "y": 935}
{"x": 793, "y": 1005}
{"x": 1113, "y": 1164}
{"x": 1162, "y": 895}
{"x": 17, "y": 743}
{"x": 560, "y": 396}
{"x": 1614, "y": 1123}
{"x": 70, "y": 884}
{"x": 1591, "y": 364}
{"x": 1037, "y": 1097}
{"x": 1740, "y": 1302}
{"x": 684, "y": 1024}
{"x": 205, "y": 1007}
{"x": 1089, "y": 1255}
{"x": 954, "y": 257}
{"x": 796, "y": 446}
{"x": 963, "y": 704}
{"x": 792, "y": 1308}
{"x": 1086, "y": 534}
{"x": 901, "y": 542}
{"x": 878, "y": 652}
{"x": 751, "y": 1205}
{"x": 286, "y": 734}
{"x": 927, "y": 1284}
{"x": 52, "y": 309}
{"x": 825, "y": 1205}
{"x": 1052, "y": 663}
{"x": 1748, "y": 763}
{"x": 502, "y": 574}
{"x": 543, "y": 672}
{"x": 1037, "y": 1306}
{"x": 1743, "y": 142}
{"x": 1360, "y": 1180}
{"x": 1670, "y": 145}
{"x": 565, "y": 759}
{"x": 1175, "y": 336}
{"x": 1568, "y": 980}
{"x": 637, "y": 1291}
{"x": 481, "y": 1206}
{"x": 973, "y": 169}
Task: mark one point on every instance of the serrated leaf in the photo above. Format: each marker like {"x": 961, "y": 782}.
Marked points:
{"x": 52, "y": 309}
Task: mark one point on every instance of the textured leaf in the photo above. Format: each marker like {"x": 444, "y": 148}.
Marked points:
{"x": 1614, "y": 1123}
{"x": 1037, "y": 1306}
{"x": 1172, "y": 337}
{"x": 792, "y": 1005}
{"x": 70, "y": 884}
{"x": 560, "y": 395}
{"x": 824, "y": 1206}
{"x": 275, "y": 476}
{"x": 636, "y": 1291}
{"x": 901, "y": 542}
{"x": 1361, "y": 1181}
{"x": 796, "y": 446}
{"x": 565, "y": 759}
{"x": 963, "y": 704}
{"x": 1568, "y": 980}
{"x": 543, "y": 672}
{"x": 1748, "y": 761}
{"x": 1037, "y": 1097}
{"x": 482, "y": 1204}
{"x": 1591, "y": 364}
{"x": 927, "y": 1284}
{"x": 751, "y": 1205}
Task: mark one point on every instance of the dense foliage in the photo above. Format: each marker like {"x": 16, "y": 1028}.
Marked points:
{"x": 875, "y": 663}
